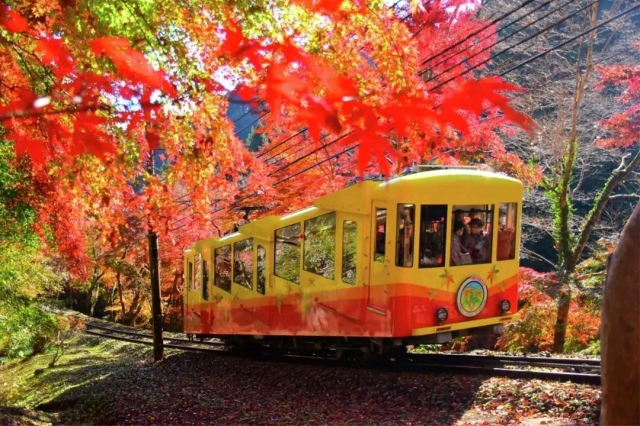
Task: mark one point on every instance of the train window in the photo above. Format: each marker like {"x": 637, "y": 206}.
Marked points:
{"x": 381, "y": 234}
{"x": 320, "y": 245}
{"x": 197, "y": 265}
{"x": 472, "y": 236}
{"x": 262, "y": 269}
{"x": 189, "y": 275}
{"x": 507, "y": 231}
{"x": 287, "y": 259}
{"x": 222, "y": 277}
{"x": 404, "y": 241}
{"x": 349, "y": 247}
{"x": 205, "y": 280}
{"x": 243, "y": 263}
{"x": 433, "y": 225}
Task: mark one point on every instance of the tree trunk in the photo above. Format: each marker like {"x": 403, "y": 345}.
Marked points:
{"x": 620, "y": 332}
{"x": 562, "y": 319}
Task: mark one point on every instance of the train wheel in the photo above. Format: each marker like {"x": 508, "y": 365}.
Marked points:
{"x": 354, "y": 357}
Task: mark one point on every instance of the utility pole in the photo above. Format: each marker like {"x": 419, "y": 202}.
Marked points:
{"x": 154, "y": 272}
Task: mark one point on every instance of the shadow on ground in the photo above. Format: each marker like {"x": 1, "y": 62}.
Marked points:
{"x": 207, "y": 388}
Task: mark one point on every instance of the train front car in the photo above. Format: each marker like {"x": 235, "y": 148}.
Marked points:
{"x": 445, "y": 247}
{"x": 375, "y": 266}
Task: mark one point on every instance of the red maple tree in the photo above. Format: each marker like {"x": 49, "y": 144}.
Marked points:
{"x": 86, "y": 100}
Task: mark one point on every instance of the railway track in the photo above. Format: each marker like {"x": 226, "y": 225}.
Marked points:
{"x": 146, "y": 338}
{"x": 544, "y": 368}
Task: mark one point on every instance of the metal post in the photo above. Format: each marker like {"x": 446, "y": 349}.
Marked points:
{"x": 156, "y": 301}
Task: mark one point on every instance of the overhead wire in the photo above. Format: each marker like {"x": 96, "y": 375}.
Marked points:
{"x": 324, "y": 146}
{"x": 457, "y": 43}
{"x": 551, "y": 49}
{"x": 488, "y": 25}
{"x": 546, "y": 3}
{"x": 454, "y": 77}
{"x": 523, "y": 63}
{"x": 526, "y": 39}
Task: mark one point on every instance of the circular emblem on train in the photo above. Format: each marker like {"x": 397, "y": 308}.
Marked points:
{"x": 472, "y": 296}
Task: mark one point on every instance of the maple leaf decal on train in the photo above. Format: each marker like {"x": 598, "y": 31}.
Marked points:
{"x": 491, "y": 276}
{"x": 432, "y": 294}
{"x": 448, "y": 277}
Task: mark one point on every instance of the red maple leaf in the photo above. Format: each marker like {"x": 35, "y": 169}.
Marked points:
{"x": 24, "y": 145}
{"x": 132, "y": 64}
{"x": 54, "y": 52}
{"x": 12, "y": 21}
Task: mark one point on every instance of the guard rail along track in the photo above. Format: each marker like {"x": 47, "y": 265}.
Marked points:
{"x": 524, "y": 367}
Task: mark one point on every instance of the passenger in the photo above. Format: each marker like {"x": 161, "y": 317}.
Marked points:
{"x": 431, "y": 242}
{"x": 506, "y": 241}
{"x": 459, "y": 254}
{"x": 459, "y": 217}
{"x": 408, "y": 240}
{"x": 478, "y": 242}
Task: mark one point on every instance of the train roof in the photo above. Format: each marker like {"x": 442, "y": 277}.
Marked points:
{"x": 357, "y": 197}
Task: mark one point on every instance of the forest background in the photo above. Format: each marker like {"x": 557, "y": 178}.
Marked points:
{"x": 91, "y": 91}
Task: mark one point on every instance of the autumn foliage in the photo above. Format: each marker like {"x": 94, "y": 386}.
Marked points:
{"x": 534, "y": 331}
{"x": 624, "y": 127}
{"x": 86, "y": 98}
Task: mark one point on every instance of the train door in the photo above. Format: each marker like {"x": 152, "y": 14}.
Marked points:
{"x": 377, "y": 298}
{"x": 349, "y": 272}
{"x": 188, "y": 294}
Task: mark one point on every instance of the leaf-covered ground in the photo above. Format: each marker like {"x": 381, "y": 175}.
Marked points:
{"x": 110, "y": 382}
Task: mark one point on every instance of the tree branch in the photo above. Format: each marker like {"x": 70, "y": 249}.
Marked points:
{"x": 617, "y": 177}
{"x": 538, "y": 256}
{"x": 622, "y": 196}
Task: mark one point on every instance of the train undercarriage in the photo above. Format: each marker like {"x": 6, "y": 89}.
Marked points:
{"x": 350, "y": 349}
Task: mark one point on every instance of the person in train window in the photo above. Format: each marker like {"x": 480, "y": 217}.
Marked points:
{"x": 459, "y": 254}
{"x": 479, "y": 242}
{"x": 459, "y": 217}
{"x": 431, "y": 244}
{"x": 505, "y": 244}
{"x": 408, "y": 241}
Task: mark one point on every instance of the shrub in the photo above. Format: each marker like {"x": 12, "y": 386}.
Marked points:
{"x": 534, "y": 331}
{"x": 27, "y": 327}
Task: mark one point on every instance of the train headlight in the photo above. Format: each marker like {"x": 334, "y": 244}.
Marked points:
{"x": 442, "y": 314}
{"x": 505, "y": 306}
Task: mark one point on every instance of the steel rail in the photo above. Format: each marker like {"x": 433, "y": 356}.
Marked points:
{"x": 507, "y": 359}
{"x": 499, "y": 372}
{"x": 145, "y": 335}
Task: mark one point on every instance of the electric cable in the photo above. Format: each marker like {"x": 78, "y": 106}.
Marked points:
{"x": 350, "y": 148}
{"x": 532, "y": 36}
{"x": 496, "y": 43}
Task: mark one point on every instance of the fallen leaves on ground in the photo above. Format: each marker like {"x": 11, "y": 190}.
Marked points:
{"x": 200, "y": 388}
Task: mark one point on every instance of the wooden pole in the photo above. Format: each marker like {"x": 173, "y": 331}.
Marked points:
{"x": 156, "y": 300}
{"x": 620, "y": 331}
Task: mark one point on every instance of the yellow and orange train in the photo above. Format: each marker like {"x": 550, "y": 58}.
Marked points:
{"x": 420, "y": 258}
